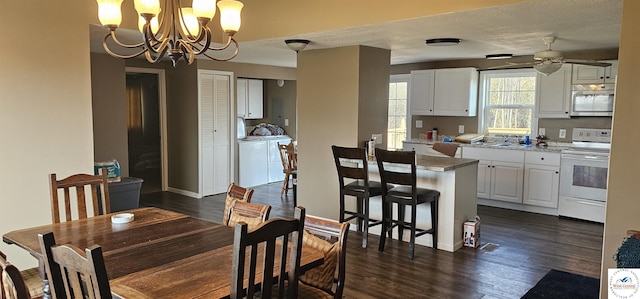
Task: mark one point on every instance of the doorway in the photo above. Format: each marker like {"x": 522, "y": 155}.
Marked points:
{"x": 145, "y": 124}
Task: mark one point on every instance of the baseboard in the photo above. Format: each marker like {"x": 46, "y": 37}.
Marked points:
{"x": 184, "y": 192}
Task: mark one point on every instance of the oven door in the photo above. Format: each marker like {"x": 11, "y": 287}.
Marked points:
{"x": 584, "y": 176}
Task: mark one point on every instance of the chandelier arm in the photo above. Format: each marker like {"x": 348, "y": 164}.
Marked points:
{"x": 226, "y": 45}
{"x": 114, "y": 54}
{"x": 114, "y": 37}
{"x": 152, "y": 59}
{"x": 205, "y": 46}
{"x": 150, "y": 46}
{"x": 235, "y": 53}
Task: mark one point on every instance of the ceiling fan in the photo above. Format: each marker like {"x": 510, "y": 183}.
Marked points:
{"x": 548, "y": 61}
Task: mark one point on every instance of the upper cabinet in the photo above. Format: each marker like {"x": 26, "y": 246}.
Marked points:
{"x": 587, "y": 74}
{"x": 553, "y": 94}
{"x": 444, "y": 92}
{"x": 250, "y": 102}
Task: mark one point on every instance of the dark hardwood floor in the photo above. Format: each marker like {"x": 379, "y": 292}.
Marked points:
{"x": 517, "y": 249}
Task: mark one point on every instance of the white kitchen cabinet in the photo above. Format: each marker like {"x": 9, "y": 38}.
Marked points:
{"x": 250, "y": 100}
{"x": 553, "y": 94}
{"x": 456, "y": 92}
{"x": 587, "y": 74}
{"x": 541, "y": 179}
{"x": 500, "y": 173}
{"x": 444, "y": 92}
{"x": 422, "y": 85}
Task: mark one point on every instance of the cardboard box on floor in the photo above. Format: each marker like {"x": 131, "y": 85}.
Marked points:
{"x": 471, "y": 232}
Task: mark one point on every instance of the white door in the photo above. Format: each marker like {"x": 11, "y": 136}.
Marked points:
{"x": 215, "y": 131}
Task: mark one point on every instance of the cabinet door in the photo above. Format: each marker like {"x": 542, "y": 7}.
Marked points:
{"x": 507, "y": 181}
{"x": 484, "y": 179}
{"x": 419, "y": 148}
{"x": 255, "y": 100}
{"x": 241, "y": 97}
{"x": 611, "y": 72}
{"x": 541, "y": 184}
{"x": 553, "y": 94}
{"x": 456, "y": 92}
{"x": 421, "y": 97}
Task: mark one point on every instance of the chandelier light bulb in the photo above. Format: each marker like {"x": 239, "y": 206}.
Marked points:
{"x": 147, "y": 6}
{"x": 204, "y": 8}
{"x": 154, "y": 24}
{"x": 109, "y": 12}
{"x": 230, "y": 15}
{"x": 191, "y": 25}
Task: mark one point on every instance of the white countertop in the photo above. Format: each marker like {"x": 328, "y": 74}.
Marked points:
{"x": 551, "y": 147}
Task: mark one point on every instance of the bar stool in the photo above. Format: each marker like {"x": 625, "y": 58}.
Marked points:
{"x": 362, "y": 189}
{"x": 399, "y": 169}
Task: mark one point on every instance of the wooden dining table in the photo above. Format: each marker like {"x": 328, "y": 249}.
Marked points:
{"x": 160, "y": 254}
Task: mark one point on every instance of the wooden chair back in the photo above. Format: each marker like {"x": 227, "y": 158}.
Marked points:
{"x": 249, "y": 213}
{"x": 97, "y": 187}
{"x": 12, "y": 286}
{"x": 235, "y": 193}
{"x": 319, "y": 230}
{"x": 351, "y": 170}
{"x": 72, "y": 273}
{"x": 261, "y": 246}
{"x": 397, "y": 168}
{"x": 288, "y": 157}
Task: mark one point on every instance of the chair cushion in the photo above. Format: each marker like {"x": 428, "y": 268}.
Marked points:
{"x": 321, "y": 277}
{"x": 424, "y": 195}
{"x": 375, "y": 188}
{"x": 307, "y": 291}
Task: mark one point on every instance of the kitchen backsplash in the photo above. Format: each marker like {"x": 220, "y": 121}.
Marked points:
{"x": 448, "y": 125}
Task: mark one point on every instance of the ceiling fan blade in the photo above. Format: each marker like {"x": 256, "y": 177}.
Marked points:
{"x": 587, "y": 62}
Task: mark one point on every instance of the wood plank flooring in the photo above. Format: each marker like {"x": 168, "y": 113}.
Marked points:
{"x": 518, "y": 249}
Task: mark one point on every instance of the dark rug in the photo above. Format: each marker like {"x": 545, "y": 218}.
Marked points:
{"x": 559, "y": 284}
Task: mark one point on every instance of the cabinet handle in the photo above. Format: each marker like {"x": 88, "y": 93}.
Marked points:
{"x": 556, "y": 172}
{"x": 601, "y": 77}
{"x": 542, "y": 158}
{"x": 566, "y": 112}
{"x": 489, "y": 166}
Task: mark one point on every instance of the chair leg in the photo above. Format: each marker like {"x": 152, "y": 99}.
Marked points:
{"x": 365, "y": 220}
{"x": 401, "y": 222}
{"x": 412, "y": 240}
{"x": 434, "y": 222}
{"x": 359, "y": 211}
{"x": 285, "y": 184}
{"x": 341, "y": 206}
{"x": 385, "y": 223}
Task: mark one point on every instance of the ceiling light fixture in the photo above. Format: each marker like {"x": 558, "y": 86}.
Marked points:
{"x": 443, "y": 41}
{"x": 180, "y": 31}
{"x": 297, "y": 44}
{"x": 547, "y": 67}
{"x": 499, "y": 56}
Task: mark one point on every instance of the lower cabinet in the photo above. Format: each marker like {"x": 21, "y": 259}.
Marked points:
{"x": 500, "y": 173}
{"x": 541, "y": 179}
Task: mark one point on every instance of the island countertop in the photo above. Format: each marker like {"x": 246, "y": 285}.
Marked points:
{"x": 435, "y": 163}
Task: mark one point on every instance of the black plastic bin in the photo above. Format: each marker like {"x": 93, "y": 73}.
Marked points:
{"x": 125, "y": 194}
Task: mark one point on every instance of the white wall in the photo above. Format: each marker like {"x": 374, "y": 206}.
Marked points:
{"x": 45, "y": 108}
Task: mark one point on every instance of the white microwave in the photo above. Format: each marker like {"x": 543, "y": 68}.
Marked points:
{"x": 592, "y": 99}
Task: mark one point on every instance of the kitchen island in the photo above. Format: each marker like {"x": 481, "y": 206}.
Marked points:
{"x": 456, "y": 179}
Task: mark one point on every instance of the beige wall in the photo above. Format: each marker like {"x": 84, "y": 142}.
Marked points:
{"x": 331, "y": 111}
{"x": 622, "y": 198}
{"x": 109, "y": 106}
{"x": 45, "y": 109}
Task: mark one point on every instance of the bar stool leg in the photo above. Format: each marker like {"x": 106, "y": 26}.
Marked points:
{"x": 386, "y": 211}
{"x": 359, "y": 211}
{"x": 412, "y": 241}
{"x": 341, "y": 206}
{"x": 401, "y": 222}
{"x": 365, "y": 220}
{"x": 434, "y": 222}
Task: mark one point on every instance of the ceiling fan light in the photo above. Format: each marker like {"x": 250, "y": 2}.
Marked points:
{"x": 297, "y": 44}
{"x": 547, "y": 68}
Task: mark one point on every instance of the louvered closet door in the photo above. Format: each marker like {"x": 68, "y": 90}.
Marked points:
{"x": 214, "y": 92}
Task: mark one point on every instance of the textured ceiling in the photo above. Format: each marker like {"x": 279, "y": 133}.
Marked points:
{"x": 517, "y": 29}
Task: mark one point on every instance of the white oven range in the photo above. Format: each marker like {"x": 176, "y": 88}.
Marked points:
{"x": 583, "y": 175}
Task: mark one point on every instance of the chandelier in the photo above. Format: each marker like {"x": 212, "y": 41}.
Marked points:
{"x": 181, "y": 32}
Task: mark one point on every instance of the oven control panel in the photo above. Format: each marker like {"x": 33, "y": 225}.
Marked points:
{"x": 591, "y": 135}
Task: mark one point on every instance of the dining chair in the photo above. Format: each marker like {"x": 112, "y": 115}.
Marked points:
{"x": 289, "y": 159}
{"x": 330, "y": 237}
{"x": 97, "y": 187}
{"x": 399, "y": 169}
{"x": 73, "y": 274}
{"x": 351, "y": 164}
{"x": 16, "y": 284}
{"x": 446, "y": 148}
{"x": 235, "y": 193}
{"x": 268, "y": 246}
{"x": 249, "y": 213}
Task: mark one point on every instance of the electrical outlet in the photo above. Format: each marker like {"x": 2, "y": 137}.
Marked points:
{"x": 377, "y": 138}
{"x": 461, "y": 129}
{"x": 286, "y": 122}
{"x": 563, "y": 133}
{"x": 418, "y": 124}
{"x": 541, "y": 131}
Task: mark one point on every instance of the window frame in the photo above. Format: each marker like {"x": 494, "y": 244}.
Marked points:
{"x": 401, "y": 78}
{"x": 483, "y": 97}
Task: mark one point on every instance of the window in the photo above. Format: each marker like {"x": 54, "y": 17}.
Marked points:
{"x": 508, "y": 102}
{"x": 397, "y": 122}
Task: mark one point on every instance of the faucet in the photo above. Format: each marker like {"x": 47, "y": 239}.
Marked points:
{"x": 505, "y": 138}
